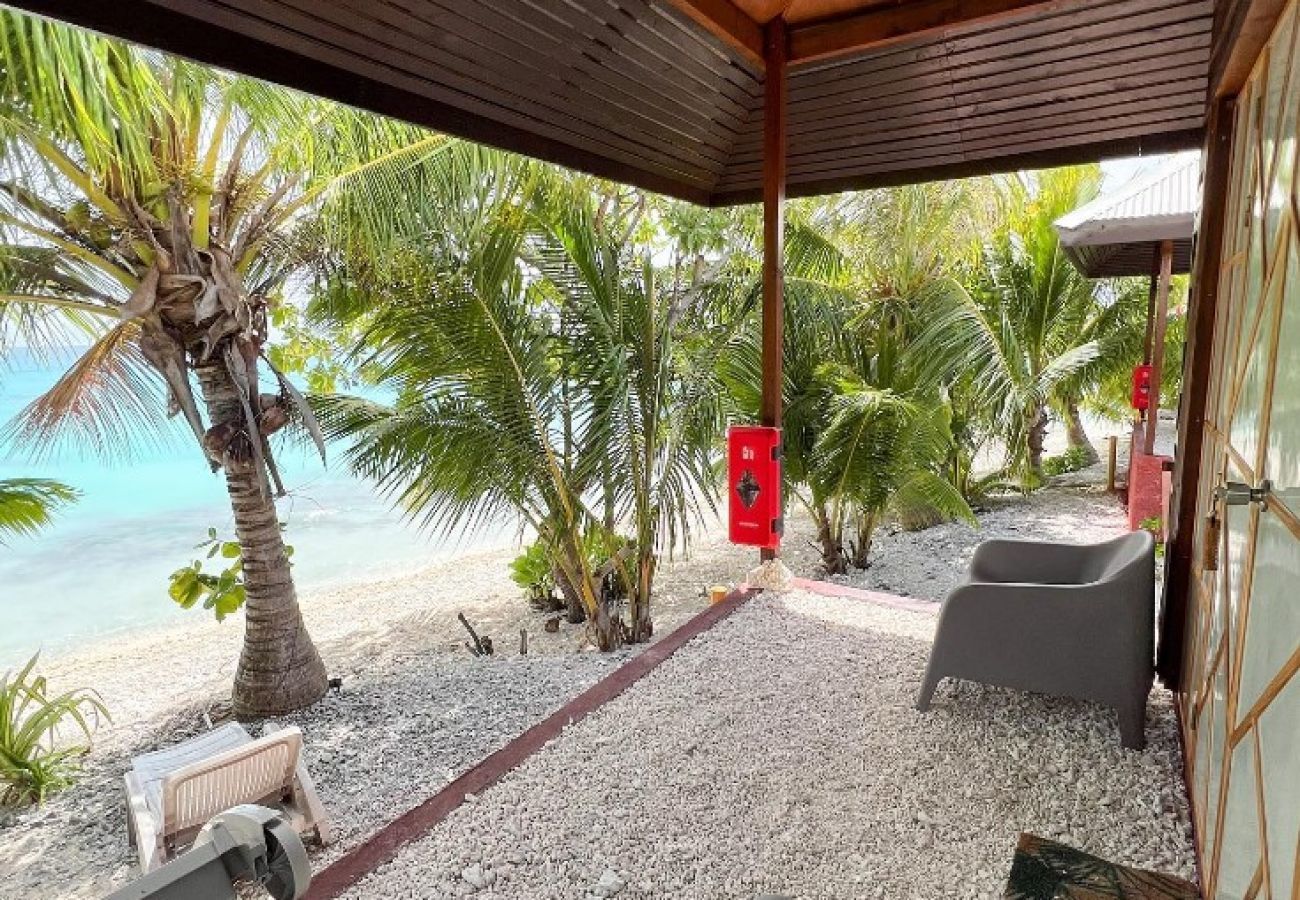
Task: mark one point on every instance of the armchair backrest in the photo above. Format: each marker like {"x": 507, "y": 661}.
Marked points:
{"x": 1130, "y": 553}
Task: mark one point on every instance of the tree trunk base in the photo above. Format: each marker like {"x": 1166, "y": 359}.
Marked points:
{"x": 260, "y": 692}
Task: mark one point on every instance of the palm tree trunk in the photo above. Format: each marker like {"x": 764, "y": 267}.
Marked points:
{"x": 1037, "y": 434}
{"x": 834, "y": 561}
{"x": 862, "y": 549}
{"x": 574, "y": 610}
{"x": 1076, "y": 436}
{"x": 279, "y": 668}
{"x": 640, "y": 629}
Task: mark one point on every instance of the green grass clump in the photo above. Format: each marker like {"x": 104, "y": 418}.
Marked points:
{"x": 33, "y": 764}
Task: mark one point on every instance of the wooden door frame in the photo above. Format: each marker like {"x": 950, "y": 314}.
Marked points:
{"x": 1185, "y": 504}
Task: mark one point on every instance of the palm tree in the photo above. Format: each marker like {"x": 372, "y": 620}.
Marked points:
{"x": 28, "y": 504}
{"x": 163, "y": 205}
{"x": 865, "y": 437}
{"x": 655, "y": 412}
{"x": 1032, "y": 327}
{"x": 538, "y": 376}
{"x": 881, "y": 455}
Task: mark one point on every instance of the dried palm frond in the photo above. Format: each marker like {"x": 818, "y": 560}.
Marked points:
{"x": 110, "y": 400}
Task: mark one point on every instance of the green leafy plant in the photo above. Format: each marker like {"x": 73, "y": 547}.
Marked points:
{"x": 1155, "y": 525}
{"x": 1072, "y": 460}
{"x": 534, "y": 571}
{"x": 222, "y": 592}
{"x": 32, "y": 764}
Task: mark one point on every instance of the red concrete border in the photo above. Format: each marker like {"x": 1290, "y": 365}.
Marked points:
{"x": 384, "y": 845}
{"x": 830, "y": 589}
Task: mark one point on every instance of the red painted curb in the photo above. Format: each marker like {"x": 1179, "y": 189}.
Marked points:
{"x": 384, "y": 845}
{"x": 830, "y": 589}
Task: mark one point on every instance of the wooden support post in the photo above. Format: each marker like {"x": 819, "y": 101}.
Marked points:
{"x": 1151, "y": 303}
{"x": 775, "y": 51}
{"x": 1158, "y": 344}
{"x": 1143, "y": 414}
{"x": 1112, "y": 461}
{"x": 1186, "y": 505}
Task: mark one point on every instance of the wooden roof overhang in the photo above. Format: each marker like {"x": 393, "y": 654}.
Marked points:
{"x": 668, "y": 94}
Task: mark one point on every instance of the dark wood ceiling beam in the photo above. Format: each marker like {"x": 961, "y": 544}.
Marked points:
{"x": 1012, "y": 161}
{"x": 881, "y": 27}
{"x": 909, "y": 148}
{"x": 729, "y": 23}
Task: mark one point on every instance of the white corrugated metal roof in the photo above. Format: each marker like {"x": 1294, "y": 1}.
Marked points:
{"x": 1160, "y": 204}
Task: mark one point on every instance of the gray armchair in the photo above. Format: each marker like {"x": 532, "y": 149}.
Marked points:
{"x": 1074, "y": 621}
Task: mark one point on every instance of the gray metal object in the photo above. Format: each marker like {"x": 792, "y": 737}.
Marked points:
{"x": 1235, "y": 493}
{"x": 1062, "y": 619}
{"x": 249, "y": 843}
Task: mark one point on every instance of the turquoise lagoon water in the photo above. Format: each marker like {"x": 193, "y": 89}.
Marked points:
{"x": 103, "y": 566}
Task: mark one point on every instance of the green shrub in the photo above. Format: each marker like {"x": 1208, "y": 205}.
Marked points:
{"x": 532, "y": 570}
{"x": 1072, "y": 460}
{"x": 31, "y": 765}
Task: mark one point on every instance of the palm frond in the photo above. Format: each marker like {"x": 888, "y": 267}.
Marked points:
{"x": 29, "y": 504}
{"x": 110, "y": 400}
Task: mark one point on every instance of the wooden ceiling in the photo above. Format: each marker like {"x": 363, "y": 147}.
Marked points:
{"x": 800, "y": 12}
{"x": 667, "y": 94}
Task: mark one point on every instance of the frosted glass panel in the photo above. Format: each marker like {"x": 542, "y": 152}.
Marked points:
{"x": 1237, "y": 527}
{"x": 1283, "y": 461}
{"x": 1275, "y": 193}
{"x": 1239, "y": 854}
{"x": 1273, "y": 627}
{"x": 1246, "y": 418}
{"x": 1214, "y": 756}
{"x": 1279, "y": 736}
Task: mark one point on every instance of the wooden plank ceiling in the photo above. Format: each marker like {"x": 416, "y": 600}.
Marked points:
{"x": 667, "y": 94}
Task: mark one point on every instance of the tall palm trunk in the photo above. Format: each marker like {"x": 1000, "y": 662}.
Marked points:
{"x": 279, "y": 668}
{"x": 641, "y": 628}
{"x": 1077, "y": 436}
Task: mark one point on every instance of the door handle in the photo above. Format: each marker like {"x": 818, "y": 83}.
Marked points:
{"x": 1236, "y": 493}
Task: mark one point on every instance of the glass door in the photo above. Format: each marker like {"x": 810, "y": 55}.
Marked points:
{"x": 1242, "y": 706}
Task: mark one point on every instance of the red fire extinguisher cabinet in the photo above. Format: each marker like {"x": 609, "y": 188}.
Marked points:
{"x": 1142, "y": 387}
{"x": 754, "y": 485}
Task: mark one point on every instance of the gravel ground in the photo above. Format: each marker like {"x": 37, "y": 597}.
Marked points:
{"x": 415, "y": 706}
{"x": 779, "y": 753}
{"x": 928, "y": 564}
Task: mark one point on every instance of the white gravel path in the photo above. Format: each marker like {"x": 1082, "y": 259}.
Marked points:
{"x": 928, "y": 564}
{"x": 779, "y": 753}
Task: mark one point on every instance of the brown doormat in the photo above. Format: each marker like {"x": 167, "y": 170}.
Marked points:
{"x": 1046, "y": 870}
